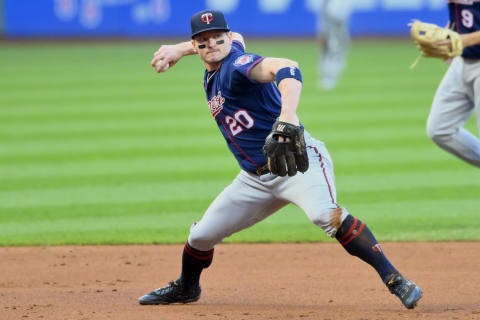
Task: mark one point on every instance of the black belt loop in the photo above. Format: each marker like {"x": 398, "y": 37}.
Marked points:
{"x": 262, "y": 170}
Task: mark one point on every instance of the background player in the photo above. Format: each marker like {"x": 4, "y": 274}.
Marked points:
{"x": 333, "y": 24}
{"x": 458, "y": 95}
{"x": 245, "y": 103}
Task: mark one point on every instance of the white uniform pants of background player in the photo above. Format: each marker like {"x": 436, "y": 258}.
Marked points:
{"x": 333, "y": 24}
{"x": 251, "y": 198}
{"x": 455, "y": 100}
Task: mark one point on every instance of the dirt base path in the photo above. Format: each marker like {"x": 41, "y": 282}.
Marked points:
{"x": 264, "y": 281}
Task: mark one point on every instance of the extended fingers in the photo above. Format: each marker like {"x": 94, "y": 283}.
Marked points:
{"x": 157, "y": 55}
{"x": 159, "y": 61}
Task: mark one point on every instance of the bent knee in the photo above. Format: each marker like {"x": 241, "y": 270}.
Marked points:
{"x": 432, "y": 130}
{"x": 440, "y": 133}
{"x": 440, "y": 138}
{"x": 202, "y": 243}
{"x": 330, "y": 219}
{"x": 201, "y": 239}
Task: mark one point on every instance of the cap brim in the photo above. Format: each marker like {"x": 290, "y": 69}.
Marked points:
{"x": 208, "y": 29}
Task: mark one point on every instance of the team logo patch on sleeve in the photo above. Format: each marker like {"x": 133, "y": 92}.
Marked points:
{"x": 243, "y": 59}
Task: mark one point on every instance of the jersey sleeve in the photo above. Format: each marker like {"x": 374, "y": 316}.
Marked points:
{"x": 243, "y": 65}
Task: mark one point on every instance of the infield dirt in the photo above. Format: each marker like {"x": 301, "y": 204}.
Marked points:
{"x": 250, "y": 281}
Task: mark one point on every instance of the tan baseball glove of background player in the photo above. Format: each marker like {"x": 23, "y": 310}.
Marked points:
{"x": 435, "y": 41}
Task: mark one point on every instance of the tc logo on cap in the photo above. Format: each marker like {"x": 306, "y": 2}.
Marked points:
{"x": 207, "y": 17}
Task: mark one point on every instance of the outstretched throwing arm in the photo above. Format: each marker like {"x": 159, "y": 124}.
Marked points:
{"x": 168, "y": 55}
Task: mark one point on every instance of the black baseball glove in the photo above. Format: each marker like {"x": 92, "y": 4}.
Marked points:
{"x": 287, "y": 156}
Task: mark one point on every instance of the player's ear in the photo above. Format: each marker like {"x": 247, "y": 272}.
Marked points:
{"x": 193, "y": 45}
{"x": 230, "y": 35}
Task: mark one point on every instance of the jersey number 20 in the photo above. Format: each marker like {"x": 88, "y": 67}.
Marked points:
{"x": 241, "y": 119}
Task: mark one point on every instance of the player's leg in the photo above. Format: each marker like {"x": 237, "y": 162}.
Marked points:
{"x": 245, "y": 202}
{"x": 477, "y": 112}
{"x": 334, "y": 41}
{"x": 452, "y": 106}
{"x": 475, "y": 72}
{"x": 315, "y": 193}
{"x": 334, "y": 51}
{"x": 242, "y": 204}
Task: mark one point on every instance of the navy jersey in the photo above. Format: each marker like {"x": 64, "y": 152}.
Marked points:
{"x": 243, "y": 108}
{"x": 465, "y": 18}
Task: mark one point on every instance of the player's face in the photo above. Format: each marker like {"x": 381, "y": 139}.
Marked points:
{"x": 213, "y": 46}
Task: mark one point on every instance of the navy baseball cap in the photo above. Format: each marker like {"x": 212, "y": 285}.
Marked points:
{"x": 207, "y": 20}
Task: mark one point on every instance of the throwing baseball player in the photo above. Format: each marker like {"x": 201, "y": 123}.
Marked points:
{"x": 458, "y": 94}
{"x": 280, "y": 162}
{"x": 333, "y": 21}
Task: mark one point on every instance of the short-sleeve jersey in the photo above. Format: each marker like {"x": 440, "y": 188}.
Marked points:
{"x": 465, "y": 18}
{"x": 243, "y": 108}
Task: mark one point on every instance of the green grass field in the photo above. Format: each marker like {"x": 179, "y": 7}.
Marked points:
{"x": 96, "y": 148}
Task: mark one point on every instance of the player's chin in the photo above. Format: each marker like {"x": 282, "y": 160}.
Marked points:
{"x": 213, "y": 59}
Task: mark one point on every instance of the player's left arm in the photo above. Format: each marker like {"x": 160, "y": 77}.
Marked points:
{"x": 470, "y": 39}
{"x": 285, "y": 148}
{"x": 290, "y": 87}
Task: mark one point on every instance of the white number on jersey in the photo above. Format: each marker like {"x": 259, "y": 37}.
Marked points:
{"x": 241, "y": 119}
{"x": 467, "y": 18}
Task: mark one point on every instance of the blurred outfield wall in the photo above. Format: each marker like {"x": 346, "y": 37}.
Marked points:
{"x": 171, "y": 18}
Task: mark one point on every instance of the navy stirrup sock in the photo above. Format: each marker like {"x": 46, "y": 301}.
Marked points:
{"x": 193, "y": 262}
{"x": 359, "y": 241}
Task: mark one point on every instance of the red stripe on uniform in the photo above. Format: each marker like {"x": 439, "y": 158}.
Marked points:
{"x": 355, "y": 221}
{"x": 326, "y": 179}
{"x": 457, "y": 22}
{"x": 198, "y": 252}
{"x": 354, "y": 235}
{"x": 324, "y": 174}
{"x": 200, "y": 255}
{"x": 253, "y": 65}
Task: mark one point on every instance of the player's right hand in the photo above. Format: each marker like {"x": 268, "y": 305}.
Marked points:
{"x": 164, "y": 58}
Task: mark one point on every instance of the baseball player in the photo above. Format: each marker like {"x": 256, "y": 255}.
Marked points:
{"x": 333, "y": 21}
{"x": 458, "y": 95}
{"x": 253, "y": 100}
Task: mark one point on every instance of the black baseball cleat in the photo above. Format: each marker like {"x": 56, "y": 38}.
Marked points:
{"x": 174, "y": 292}
{"x": 407, "y": 291}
